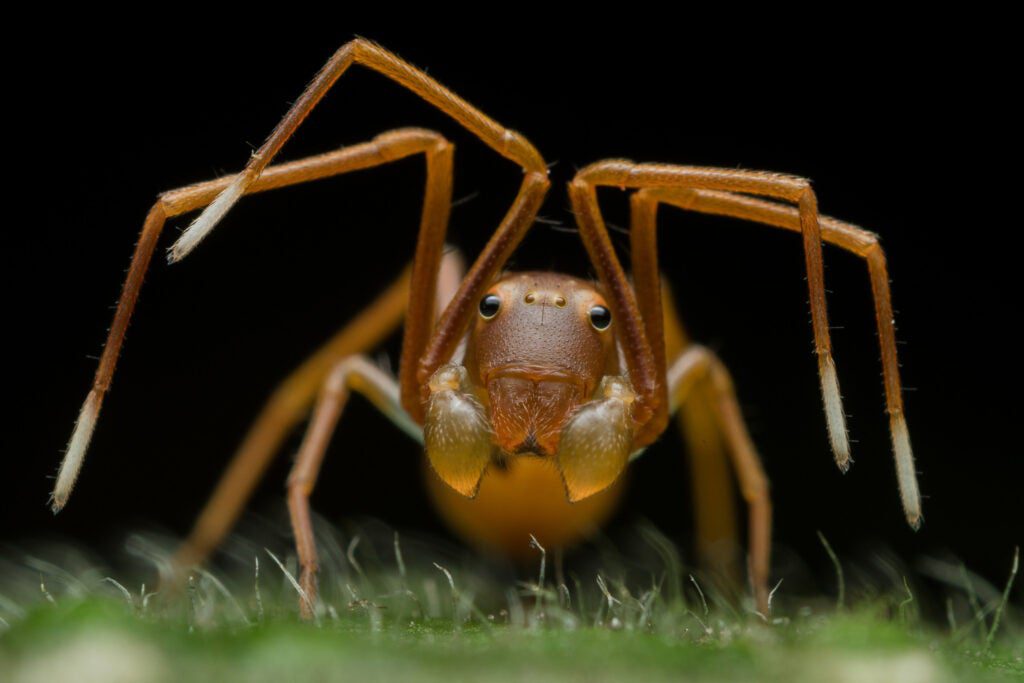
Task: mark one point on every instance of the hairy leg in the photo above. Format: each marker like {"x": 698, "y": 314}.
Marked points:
{"x": 847, "y": 236}
{"x": 385, "y": 148}
{"x": 640, "y": 336}
{"x": 425, "y": 347}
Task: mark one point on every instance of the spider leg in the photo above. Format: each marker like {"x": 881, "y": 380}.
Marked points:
{"x": 507, "y": 143}
{"x": 423, "y": 350}
{"x": 292, "y": 400}
{"x": 644, "y": 356}
{"x": 355, "y": 373}
{"x": 713, "y": 441}
{"x": 844, "y": 235}
{"x": 391, "y": 146}
{"x": 697, "y": 374}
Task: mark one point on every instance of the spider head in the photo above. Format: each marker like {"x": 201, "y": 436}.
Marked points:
{"x": 539, "y": 348}
{"x": 538, "y": 356}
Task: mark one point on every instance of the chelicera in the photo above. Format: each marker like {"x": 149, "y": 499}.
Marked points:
{"x": 530, "y": 391}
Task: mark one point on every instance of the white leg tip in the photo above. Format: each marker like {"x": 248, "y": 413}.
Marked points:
{"x": 834, "y": 414}
{"x": 905, "y": 473}
{"x": 75, "y": 455}
{"x": 208, "y": 219}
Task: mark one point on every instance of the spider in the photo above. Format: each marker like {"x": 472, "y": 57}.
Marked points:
{"x": 530, "y": 392}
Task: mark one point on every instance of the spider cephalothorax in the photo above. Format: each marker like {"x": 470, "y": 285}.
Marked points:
{"x": 496, "y": 367}
{"x": 540, "y": 377}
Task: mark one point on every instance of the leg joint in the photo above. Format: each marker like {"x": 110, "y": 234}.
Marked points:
{"x": 300, "y": 483}
{"x": 338, "y": 379}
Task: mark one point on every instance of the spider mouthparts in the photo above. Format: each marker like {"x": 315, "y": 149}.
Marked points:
{"x": 456, "y": 433}
{"x": 595, "y": 447}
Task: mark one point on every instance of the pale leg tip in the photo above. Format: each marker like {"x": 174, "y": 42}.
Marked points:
{"x": 834, "y": 415}
{"x": 184, "y": 245}
{"x": 56, "y": 505}
{"x": 914, "y": 520}
{"x": 906, "y": 475}
{"x": 71, "y": 465}
{"x": 208, "y": 219}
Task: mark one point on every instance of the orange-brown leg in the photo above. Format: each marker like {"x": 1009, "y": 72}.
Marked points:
{"x": 697, "y": 374}
{"x": 640, "y": 335}
{"x": 424, "y": 349}
{"x": 358, "y": 374}
{"x": 354, "y": 373}
{"x": 844, "y": 235}
{"x": 385, "y": 148}
{"x": 291, "y": 402}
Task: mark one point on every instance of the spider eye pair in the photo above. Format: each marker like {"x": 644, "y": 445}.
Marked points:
{"x": 600, "y": 317}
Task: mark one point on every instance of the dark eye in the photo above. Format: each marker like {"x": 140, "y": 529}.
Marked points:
{"x": 489, "y": 306}
{"x": 600, "y": 317}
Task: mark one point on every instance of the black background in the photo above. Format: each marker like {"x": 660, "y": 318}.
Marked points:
{"x": 903, "y": 130}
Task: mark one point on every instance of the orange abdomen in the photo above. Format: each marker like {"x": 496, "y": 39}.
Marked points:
{"x": 527, "y": 497}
